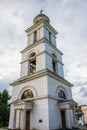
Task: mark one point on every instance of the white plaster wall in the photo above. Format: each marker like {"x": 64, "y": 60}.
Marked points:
{"x": 41, "y": 32}
{"x": 28, "y": 40}
{"x": 46, "y": 33}
{"x": 54, "y": 115}
{"x": 50, "y": 50}
{"x": 60, "y": 70}
{"x": 53, "y": 86}
{"x": 30, "y": 35}
{"x": 40, "y": 48}
{"x": 24, "y": 69}
{"x": 49, "y": 115}
{"x": 38, "y": 85}
{"x": 31, "y": 38}
{"x": 40, "y": 59}
{"x": 49, "y": 62}
{"x": 40, "y": 111}
{"x": 40, "y": 62}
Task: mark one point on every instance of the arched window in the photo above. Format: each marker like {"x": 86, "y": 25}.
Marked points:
{"x": 27, "y": 94}
{"x": 54, "y": 61}
{"x": 32, "y": 62}
{"x": 32, "y": 54}
{"x": 61, "y": 95}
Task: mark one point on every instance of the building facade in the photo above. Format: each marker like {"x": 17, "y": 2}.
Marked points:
{"x": 84, "y": 109}
{"x": 41, "y": 97}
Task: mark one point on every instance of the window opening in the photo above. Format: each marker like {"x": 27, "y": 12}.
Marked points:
{"x": 54, "y": 66}
{"x": 54, "y": 62}
{"x": 50, "y": 36}
{"x": 35, "y": 36}
{"x": 33, "y": 66}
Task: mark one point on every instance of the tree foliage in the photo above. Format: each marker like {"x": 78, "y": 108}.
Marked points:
{"x": 4, "y": 107}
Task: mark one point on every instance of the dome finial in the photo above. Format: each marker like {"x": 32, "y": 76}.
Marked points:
{"x": 40, "y": 17}
{"x": 41, "y": 11}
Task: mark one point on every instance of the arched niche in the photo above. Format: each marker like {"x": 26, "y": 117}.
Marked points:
{"x": 61, "y": 93}
{"x": 27, "y": 94}
{"x": 24, "y": 89}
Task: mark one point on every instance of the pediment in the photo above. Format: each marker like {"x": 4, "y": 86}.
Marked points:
{"x": 18, "y": 102}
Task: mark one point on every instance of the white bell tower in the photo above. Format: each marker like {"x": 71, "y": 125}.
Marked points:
{"x": 41, "y": 97}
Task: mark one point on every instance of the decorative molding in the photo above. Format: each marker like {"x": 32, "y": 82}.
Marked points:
{"x": 32, "y": 45}
{"x": 40, "y": 24}
{"x": 38, "y": 74}
{"x": 43, "y": 40}
{"x": 41, "y": 54}
{"x": 48, "y": 96}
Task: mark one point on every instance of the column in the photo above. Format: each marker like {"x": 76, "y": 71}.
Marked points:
{"x": 17, "y": 118}
{"x": 23, "y": 119}
{"x": 74, "y": 117}
{"x": 68, "y": 119}
{"x": 14, "y": 120}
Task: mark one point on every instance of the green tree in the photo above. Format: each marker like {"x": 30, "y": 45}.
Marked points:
{"x": 4, "y": 107}
{"x": 0, "y": 107}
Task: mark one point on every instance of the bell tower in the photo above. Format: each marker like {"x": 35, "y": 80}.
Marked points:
{"x": 41, "y": 51}
{"x": 41, "y": 97}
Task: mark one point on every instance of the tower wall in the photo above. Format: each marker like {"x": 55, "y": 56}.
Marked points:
{"x": 41, "y": 92}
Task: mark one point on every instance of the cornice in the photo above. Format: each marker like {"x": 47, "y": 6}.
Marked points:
{"x": 39, "y": 74}
{"x": 53, "y": 46}
{"x": 48, "y": 96}
{"x": 50, "y": 27}
{"x": 43, "y": 22}
{"x": 57, "y": 77}
{"x": 32, "y": 45}
{"x": 41, "y": 54}
{"x": 39, "y": 42}
{"x": 29, "y": 77}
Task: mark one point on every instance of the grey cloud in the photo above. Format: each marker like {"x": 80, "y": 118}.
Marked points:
{"x": 68, "y": 17}
{"x": 4, "y": 84}
{"x": 83, "y": 92}
{"x": 80, "y": 84}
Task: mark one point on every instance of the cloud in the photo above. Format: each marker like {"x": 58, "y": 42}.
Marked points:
{"x": 68, "y": 17}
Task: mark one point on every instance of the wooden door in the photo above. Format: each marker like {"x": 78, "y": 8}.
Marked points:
{"x": 63, "y": 118}
{"x": 27, "y": 120}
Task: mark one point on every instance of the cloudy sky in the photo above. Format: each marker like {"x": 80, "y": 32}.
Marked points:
{"x": 68, "y": 17}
